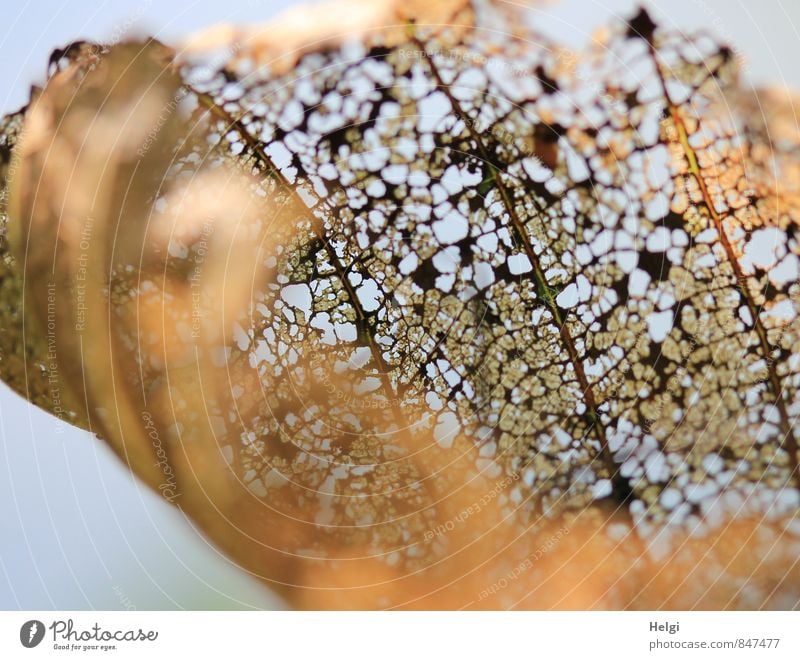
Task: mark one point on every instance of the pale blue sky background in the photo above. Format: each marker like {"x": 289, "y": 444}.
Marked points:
{"x": 77, "y": 531}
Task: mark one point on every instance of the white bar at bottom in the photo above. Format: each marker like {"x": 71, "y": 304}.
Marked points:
{"x": 402, "y": 635}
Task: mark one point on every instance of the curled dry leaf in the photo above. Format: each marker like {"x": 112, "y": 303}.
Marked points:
{"x": 426, "y": 314}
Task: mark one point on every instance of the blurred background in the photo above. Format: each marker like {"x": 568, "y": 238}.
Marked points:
{"x": 77, "y": 530}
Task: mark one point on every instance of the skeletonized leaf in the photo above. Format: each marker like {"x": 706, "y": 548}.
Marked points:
{"x": 405, "y": 310}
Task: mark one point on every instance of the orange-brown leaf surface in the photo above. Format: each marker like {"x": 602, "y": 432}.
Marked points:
{"x": 429, "y": 312}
